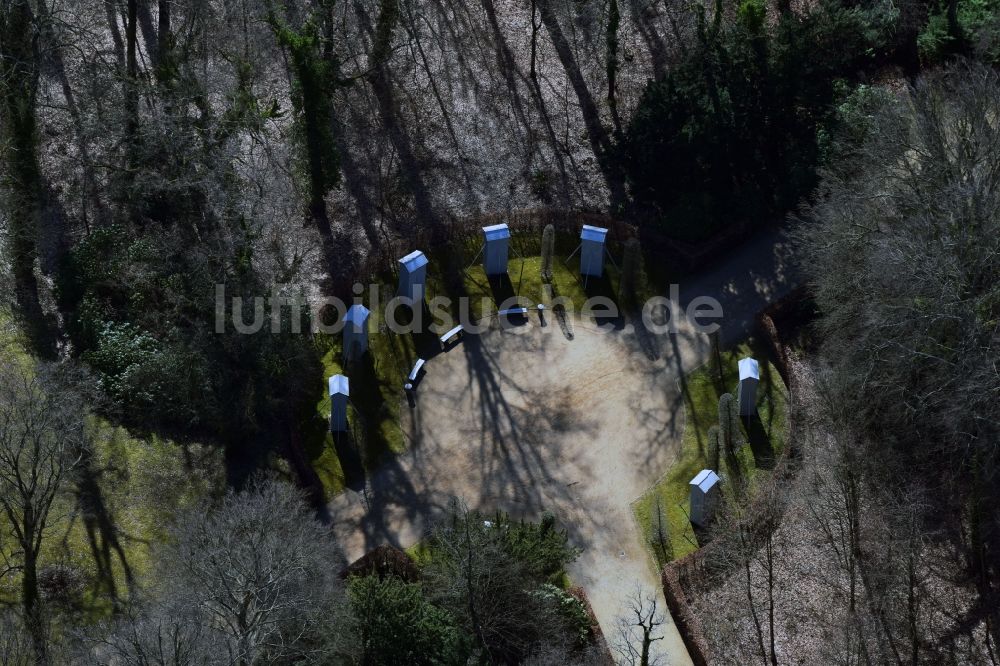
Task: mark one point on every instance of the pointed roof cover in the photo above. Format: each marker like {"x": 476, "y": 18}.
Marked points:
{"x": 496, "y": 232}
{"x": 590, "y": 233}
{"x": 749, "y": 369}
{"x": 705, "y": 480}
{"x": 340, "y": 385}
{"x": 413, "y": 261}
{"x": 357, "y": 314}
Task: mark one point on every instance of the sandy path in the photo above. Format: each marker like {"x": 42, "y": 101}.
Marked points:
{"x": 526, "y": 420}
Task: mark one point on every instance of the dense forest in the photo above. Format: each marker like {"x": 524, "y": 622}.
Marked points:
{"x": 153, "y": 153}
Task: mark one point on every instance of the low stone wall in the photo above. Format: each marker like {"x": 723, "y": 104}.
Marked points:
{"x": 685, "y": 620}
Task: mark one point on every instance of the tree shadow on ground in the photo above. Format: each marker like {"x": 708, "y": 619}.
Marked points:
{"x": 101, "y": 527}
{"x": 648, "y": 342}
{"x": 509, "y": 434}
{"x": 560, "y": 314}
{"x": 665, "y": 376}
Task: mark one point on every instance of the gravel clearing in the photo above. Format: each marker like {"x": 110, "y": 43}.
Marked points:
{"x": 525, "y": 420}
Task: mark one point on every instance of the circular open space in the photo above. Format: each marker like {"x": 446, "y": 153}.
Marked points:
{"x": 574, "y": 419}
{"x": 571, "y": 418}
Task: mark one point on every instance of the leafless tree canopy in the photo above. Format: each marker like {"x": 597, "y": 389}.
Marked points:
{"x": 42, "y": 436}
{"x": 260, "y": 570}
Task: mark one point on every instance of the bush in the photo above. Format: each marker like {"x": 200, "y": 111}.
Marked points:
{"x": 394, "y": 624}
{"x": 62, "y": 585}
{"x": 570, "y": 609}
{"x": 739, "y": 116}
{"x": 978, "y": 32}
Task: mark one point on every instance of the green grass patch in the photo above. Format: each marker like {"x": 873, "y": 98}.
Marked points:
{"x": 702, "y": 389}
{"x": 376, "y": 383}
{"x": 143, "y": 482}
{"x": 420, "y": 553}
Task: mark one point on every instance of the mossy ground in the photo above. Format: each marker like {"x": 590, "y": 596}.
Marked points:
{"x": 143, "y": 482}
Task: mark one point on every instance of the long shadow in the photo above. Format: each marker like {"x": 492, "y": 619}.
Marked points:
{"x": 654, "y": 43}
{"x": 388, "y": 107}
{"x": 426, "y": 344}
{"x": 102, "y": 530}
{"x": 648, "y": 343}
{"x": 664, "y": 421}
{"x": 600, "y": 287}
{"x": 686, "y": 391}
{"x": 502, "y": 288}
{"x": 508, "y": 67}
{"x": 512, "y": 448}
{"x": 760, "y": 442}
{"x": 369, "y": 405}
{"x": 391, "y": 490}
{"x": 559, "y": 313}
{"x": 348, "y": 449}
{"x": 597, "y": 133}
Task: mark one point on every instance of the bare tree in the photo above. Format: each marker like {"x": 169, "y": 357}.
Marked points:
{"x": 261, "y": 570}
{"x": 20, "y": 168}
{"x": 42, "y": 431}
{"x": 15, "y": 644}
{"x": 661, "y": 532}
{"x": 745, "y": 532}
{"x": 912, "y": 374}
{"x": 156, "y": 639}
{"x": 638, "y": 629}
{"x": 560, "y": 654}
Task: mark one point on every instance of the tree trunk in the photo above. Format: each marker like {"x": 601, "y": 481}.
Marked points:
{"x": 30, "y": 600}
{"x": 131, "y": 81}
{"x": 131, "y": 66}
{"x": 163, "y": 29}
{"x": 769, "y": 553}
{"x": 19, "y": 145}
{"x": 646, "y": 643}
{"x": 614, "y": 22}
{"x": 164, "y": 40}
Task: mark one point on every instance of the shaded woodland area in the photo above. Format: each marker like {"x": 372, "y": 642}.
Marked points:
{"x": 151, "y": 151}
